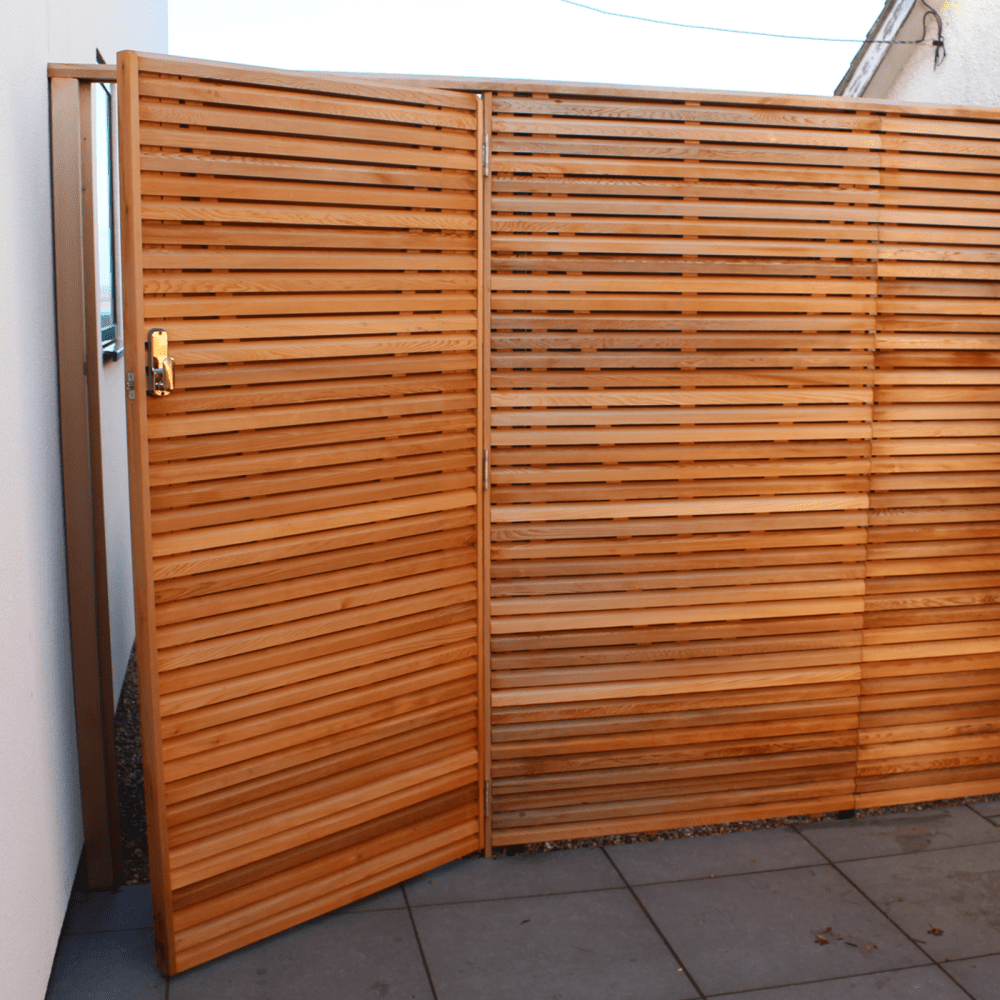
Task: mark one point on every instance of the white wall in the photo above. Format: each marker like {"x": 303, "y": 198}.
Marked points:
{"x": 971, "y": 72}
{"x": 40, "y": 826}
{"x": 114, "y": 454}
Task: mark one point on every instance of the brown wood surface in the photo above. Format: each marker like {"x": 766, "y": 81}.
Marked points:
{"x": 78, "y": 336}
{"x": 305, "y": 502}
{"x": 932, "y": 636}
{"x": 739, "y": 523}
{"x": 737, "y": 349}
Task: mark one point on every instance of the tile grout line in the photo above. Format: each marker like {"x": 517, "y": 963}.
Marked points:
{"x": 662, "y": 936}
{"x": 416, "y": 935}
{"x": 865, "y": 895}
{"x": 812, "y": 982}
{"x": 526, "y": 895}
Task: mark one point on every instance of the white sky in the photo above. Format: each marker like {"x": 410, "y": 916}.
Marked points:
{"x": 534, "y": 39}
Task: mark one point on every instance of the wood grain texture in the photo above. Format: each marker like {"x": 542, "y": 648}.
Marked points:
{"x": 736, "y": 344}
{"x": 737, "y": 539}
{"x": 673, "y": 427}
{"x": 928, "y": 711}
{"x": 307, "y": 494}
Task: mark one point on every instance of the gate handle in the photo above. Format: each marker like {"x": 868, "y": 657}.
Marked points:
{"x": 161, "y": 365}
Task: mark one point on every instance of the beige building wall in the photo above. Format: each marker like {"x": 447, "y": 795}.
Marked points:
{"x": 971, "y": 72}
{"x": 41, "y": 832}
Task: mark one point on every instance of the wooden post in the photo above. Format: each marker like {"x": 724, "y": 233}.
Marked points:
{"x": 79, "y": 382}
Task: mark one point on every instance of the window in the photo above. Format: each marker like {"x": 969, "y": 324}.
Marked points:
{"x": 104, "y": 220}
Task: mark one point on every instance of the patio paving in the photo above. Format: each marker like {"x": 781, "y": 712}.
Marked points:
{"x": 879, "y": 908}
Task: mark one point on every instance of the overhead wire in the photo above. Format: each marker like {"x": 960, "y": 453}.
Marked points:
{"x": 938, "y": 42}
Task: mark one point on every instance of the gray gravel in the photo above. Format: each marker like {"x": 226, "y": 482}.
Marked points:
{"x": 757, "y": 824}
{"x": 131, "y": 798}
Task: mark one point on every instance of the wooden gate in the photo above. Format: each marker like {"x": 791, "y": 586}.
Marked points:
{"x": 305, "y": 502}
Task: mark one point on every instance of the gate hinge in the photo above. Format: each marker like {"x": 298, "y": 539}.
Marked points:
{"x": 486, "y": 468}
{"x": 486, "y": 798}
{"x": 130, "y": 384}
{"x": 486, "y": 156}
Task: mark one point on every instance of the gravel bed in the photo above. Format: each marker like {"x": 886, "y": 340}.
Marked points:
{"x": 717, "y": 828}
{"x": 132, "y": 807}
{"x": 131, "y": 797}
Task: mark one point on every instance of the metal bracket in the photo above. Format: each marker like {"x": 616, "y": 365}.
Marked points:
{"x": 160, "y": 366}
{"x": 486, "y": 468}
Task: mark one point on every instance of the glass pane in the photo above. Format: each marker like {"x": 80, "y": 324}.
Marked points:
{"x": 104, "y": 213}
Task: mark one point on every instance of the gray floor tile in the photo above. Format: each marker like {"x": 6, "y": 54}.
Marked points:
{"x": 990, "y": 809}
{"x": 902, "y": 833}
{"x": 579, "y": 946}
{"x": 926, "y": 983}
{"x": 118, "y": 964}
{"x": 388, "y": 899}
{"x": 762, "y": 930}
{"x": 956, "y": 891}
{"x": 339, "y": 955}
{"x": 700, "y": 857}
{"x": 505, "y": 876}
{"x": 130, "y": 908}
{"x": 980, "y": 976}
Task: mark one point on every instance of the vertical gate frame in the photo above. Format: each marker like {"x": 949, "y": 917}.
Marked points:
{"x": 142, "y": 559}
{"x": 80, "y": 363}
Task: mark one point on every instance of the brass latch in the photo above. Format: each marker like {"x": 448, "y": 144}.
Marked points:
{"x": 160, "y": 365}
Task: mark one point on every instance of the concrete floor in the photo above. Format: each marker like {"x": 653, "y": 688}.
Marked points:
{"x": 906, "y": 905}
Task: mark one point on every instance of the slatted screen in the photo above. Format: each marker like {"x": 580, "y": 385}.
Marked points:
{"x": 309, "y": 490}
{"x": 744, "y": 384}
{"x": 930, "y": 723}
{"x": 683, "y": 302}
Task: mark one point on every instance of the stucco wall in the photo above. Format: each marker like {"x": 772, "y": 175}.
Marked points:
{"x": 40, "y": 827}
{"x": 971, "y": 72}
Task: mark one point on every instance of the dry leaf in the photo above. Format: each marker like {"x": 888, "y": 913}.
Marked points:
{"x": 821, "y": 940}
{"x": 936, "y": 931}
{"x": 526, "y": 919}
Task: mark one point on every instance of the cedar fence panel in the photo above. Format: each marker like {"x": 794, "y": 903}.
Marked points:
{"x": 742, "y": 444}
{"x": 309, "y": 491}
{"x": 930, "y": 696}
{"x": 689, "y": 302}
{"x": 683, "y": 341}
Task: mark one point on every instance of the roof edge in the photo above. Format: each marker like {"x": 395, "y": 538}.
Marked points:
{"x": 869, "y": 57}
